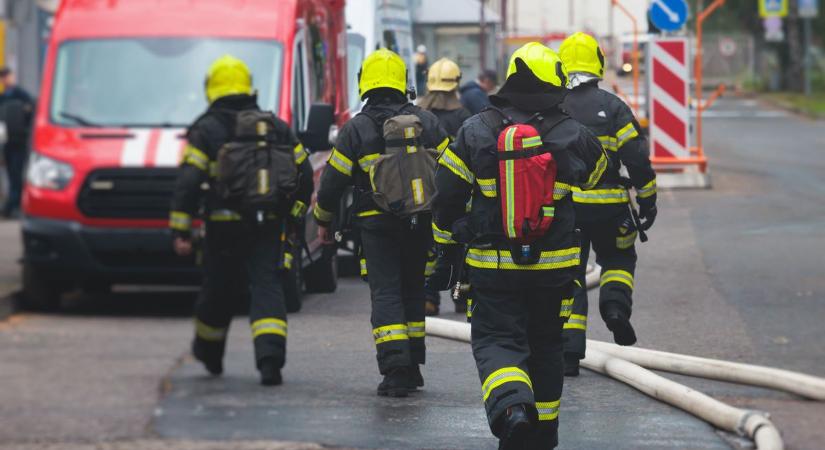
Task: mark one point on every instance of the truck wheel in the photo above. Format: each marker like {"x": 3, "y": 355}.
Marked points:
{"x": 322, "y": 275}
{"x": 39, "y": 292}
{"x": 293, "y": 286}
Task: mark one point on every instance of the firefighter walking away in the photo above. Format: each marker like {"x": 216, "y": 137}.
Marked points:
{"x": 258, "y": 177}
{"x": 604, "y": 214}
{"x": 517, "y": 162}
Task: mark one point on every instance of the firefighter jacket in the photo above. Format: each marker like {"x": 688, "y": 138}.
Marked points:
{"x": 468, "y": 174}
{"x": 451, "y": 121}
{"x": 612, "y": 121}
{"x": 359, "y": 144}
{"x": 204, "y": 139}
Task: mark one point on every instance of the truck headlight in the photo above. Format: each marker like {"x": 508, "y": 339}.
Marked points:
{"x": 47, "y": 173}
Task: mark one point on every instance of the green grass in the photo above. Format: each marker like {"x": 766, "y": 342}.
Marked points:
{"x": 813, "y": 105}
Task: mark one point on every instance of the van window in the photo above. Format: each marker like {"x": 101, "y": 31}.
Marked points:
{"x": 318, "y": 56}
{"x": 356, "y": 48}
{"x": 151, "y": 82}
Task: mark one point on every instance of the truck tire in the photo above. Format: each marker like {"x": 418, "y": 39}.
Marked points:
{"x": 293, "y": 285}
{"x": 322, "y": 275}
{"x": 39, "y": 292}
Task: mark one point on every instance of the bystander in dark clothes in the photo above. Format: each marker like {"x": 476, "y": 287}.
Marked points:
{"x": 16, "y": 111}
{"x": 475, "y": 94}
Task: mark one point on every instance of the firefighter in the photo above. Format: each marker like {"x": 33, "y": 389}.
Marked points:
{"x": 241, "y": 253}
{"x": 442, "y": 100}
{"x": 519, "y": 307}
{"x": 603, "y": 214}
{"x": 395, "y": 248}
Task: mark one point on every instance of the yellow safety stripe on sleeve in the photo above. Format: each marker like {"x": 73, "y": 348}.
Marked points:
{"x": 625, "y": 242}
{"x": 321, "y": 214}
{"x": 299, "y": 209}
{"x": 597, "y": 173}
{"x": 601, "y": 196}
{"x": 627, "y": 133}
{"x": 451, "y": 161}
{"x": 367, "y": 161}
{"x": 576, "y": 322}
{"x": 224, "y": 215}
{"x": 648, "y": 190}
{"x": 209, "y": 333}
{"x": 370, "y": 213}
{"x": 566, "y": 307}
{"x": 416, "y": 329}
{"x": 340, "y": 162}
{"x": 502, "y": 376}
{"x": 268, "y": 326}
{"x": 608, "y": 143}
{"x": 441, "y": 236}
{"x": 288, "y": 260}
{"x": 429, "y": 268}
{"x": 300, "y": 154}
{"x": 560, "y": 190}
{"x": 363, "y": 264}
{"x": 503, "y": 260}
{"x": 548, "y": 410}
{"x": 443, "y": 144}
{"x": 619, "y": 276}
{"x": 195, "y": 157}
{"x": 179, "y": 220}
{"x": 397, "y": 332}
{"x": 487, "y": 187}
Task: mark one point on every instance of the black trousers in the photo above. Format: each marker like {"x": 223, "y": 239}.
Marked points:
{"x": 517, "y": 345}
{"x": 15, "y": 156}
{"x": 241, "y": 261}
{"x": 614, "y": 245}
{"x": 396, "y": 255}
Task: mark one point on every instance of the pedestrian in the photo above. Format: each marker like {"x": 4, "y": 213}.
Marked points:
{"x": 16, "y": 112}
{"x": 258, "y": 177}
{"x": 603, "y": 215}
{"x": 442, "y": 100}
{"x": 421, "y": 64}
{"x": 515, "y": 165}
{"x": 395, "y": 246}
{"x": 475, "y": 94}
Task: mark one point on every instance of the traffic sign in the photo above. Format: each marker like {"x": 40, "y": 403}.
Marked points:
{"x": 773, "y": 8}
{"x": 808, "y": 9}
{"x": 669, "y": 15}
{"x": 669, "y": 107}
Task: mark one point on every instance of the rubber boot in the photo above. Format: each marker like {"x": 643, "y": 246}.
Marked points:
{"x": 571, "y": 365}
{"x": 395, "y": 384}
{"x": 516, "y": 427}
{"x": 414, "y": 378}
{"x": 270, "y": 372}
{"x": 213, "y": 366}
{"x": 618, "y": 321}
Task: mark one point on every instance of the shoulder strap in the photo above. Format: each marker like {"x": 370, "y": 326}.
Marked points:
{"x": 495, "y": 118}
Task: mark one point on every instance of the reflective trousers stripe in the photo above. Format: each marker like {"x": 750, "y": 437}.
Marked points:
{"x": 617, "y": 276}
{"x": 269, "y": 325}
{"x": 625, "y": 242}
{"x": 397, "y": 332}
{"x": 416, "y": 329}
{"x": 548, "y": 410}
{"x": 576, "y": 322}
{"x": 502, "y": 259}
{"x": 209, "y": 333}
{"x": 503, "y": 376}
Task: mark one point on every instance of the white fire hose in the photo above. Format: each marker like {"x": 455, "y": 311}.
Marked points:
{"x": 624, "y": 364}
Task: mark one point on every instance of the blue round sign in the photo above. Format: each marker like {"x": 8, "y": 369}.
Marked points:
{"x": 669, "y": 15}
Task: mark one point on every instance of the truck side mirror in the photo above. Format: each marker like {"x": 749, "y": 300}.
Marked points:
{"x": 316, "y": 135}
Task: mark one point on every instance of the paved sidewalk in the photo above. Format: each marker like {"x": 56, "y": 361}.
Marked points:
{"x": 11, "y": 250}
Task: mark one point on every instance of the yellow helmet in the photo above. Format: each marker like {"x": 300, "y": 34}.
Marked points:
{"x": 382, "y": 69}
{"x": 581, "y": 53}
{"x": 227, "y": 76}
{"x": 544, "y": 63}
{"x": 444, "y": 75}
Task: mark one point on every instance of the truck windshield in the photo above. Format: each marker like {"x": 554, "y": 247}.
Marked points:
{"x": 156, "y": 82}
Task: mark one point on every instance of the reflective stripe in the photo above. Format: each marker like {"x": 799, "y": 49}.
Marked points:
{"x": 577, "y": 283}
{"x": 268, "y": 326}
{"x": 195, "y": 157}
{"x": 648, "y": 190}
{"x": 390, "y": 333}
{"x": 627, "y": 133}
{"x": 209, "y": 333}
{"x": 576, "y": 322}
{"x": 298, "y": 209}
{"x": 367, "y": 161}
{"x": 597, "y": 173}
{"x": 548, "y": 410}
{"x": 548, "y": 211}
{"x": 179, "y": 220}
{"x": 363, "y": 264}
{"x": 300, "y": 154}
{"x": 617, "y": 276}
{"x": 429, "y": 268}
{"x": 224, "y": 215}
{"x": 560, "y": 190}
{"x": 625, "y": 242}
{"x": 487, "y": 186}
{"x": 601, "y": 196}
{"x": 340, "y": 162}
{"x": 566, "y": 307}
{"x": 321, "y": 214}
{"x": 502, "y": 376}
{"x": 451, "y": 161}
{"x": 501, "y": 259}
{"x": 469, "y": 308}
{"x": 213, "y": 169}
{"x": 608, "y": 143}
{"x": 443, "y": 144}
{"x": 288, "y": 261}
{"x": 416, "y": 329}
{"x": 441, "y": 236}
{"x": 509, "y": 175}
{"x": 530, "y": 142}
{"x": 370, "y": 213}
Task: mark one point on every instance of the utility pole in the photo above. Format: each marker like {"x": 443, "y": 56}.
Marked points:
{"x": 571, "y": 20}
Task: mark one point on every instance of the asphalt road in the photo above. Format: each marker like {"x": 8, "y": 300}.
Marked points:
{"x": 733, "y": 272}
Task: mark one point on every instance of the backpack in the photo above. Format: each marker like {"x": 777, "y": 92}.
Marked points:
{"x": 403, "y": 178}
{"x": 256, "y": 169}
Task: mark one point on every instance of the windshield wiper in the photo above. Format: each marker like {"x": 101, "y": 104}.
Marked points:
{"x": 80, "y": 120}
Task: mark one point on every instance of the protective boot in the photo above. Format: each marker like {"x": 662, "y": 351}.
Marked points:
{"x": 571, "y": 365}
{"x": 516, "y": 427}
{"x": 415, "y": 379}
{"x": 213, "y": 366}
{"x": 270, "y": 372}
{"x": 395, "y": 384}
{"x": 618, "y": 321}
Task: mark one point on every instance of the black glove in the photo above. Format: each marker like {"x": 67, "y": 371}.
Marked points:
{"x": 647, "y": 212}
{"x": 445, "y": 275}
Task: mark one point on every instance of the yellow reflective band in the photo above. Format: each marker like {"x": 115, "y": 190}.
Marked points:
{"x": 625, "y": 242}
{"x": 502, "y": 259}
{"x": 370, "y": 213}
{"x": 608, "y": 143}
{"x": 548, "y": 410}
{"x": 443, "y": 144}
{"x": 300, "y": 154}
{"x": 597, "y": 173}
{"x": 487, "y": 186}
{"x": 363, "y": 264}
{"x": 576, "y": 322}
{"x": 429, "y": 268}
{"x": 367, "y": 161}
{"x": 321, "y": 214}
{"x": 416, "y": 329}
{"x": 648, "y": 190}
{"x": 288, "y": 261}
{"x": 548, "y": 211}
{"x": 442, "y": 236}
{"x": 388, "y": 333}
{"x": 566, "y": 307}
{"x": 601, "y": 196}
{"x": 531, "y": 142}
{"x": 560, "y": 190}
{"x": 209, "y": 333}
{"x": 452, "y": 162}
{"x": 195, "y": 157}
{"x": 577, "y": 283}
{"x": 298, "y": 209}
{"x": 469, "y": 308}
{"x": 340, "y": 162}
{"x": 627, "y": 133}
{"x": 510, "y": 175}
{"x": 268, "y": 326}
{"x": 617, "y": 276}
{"x": 417, "y": 186}
{"x": 502, "y": 376}
{"x": 179, "y": 220}
{"x": 224, "y": 215}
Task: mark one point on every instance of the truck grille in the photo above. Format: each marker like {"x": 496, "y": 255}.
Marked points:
{"x": 139, "y": 193}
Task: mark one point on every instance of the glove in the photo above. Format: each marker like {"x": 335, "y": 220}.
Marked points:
{"x": 647, "y": 212}
{"x": 445, "y": 274}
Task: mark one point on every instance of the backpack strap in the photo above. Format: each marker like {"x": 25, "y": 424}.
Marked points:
{"x": 495, "y": 119}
